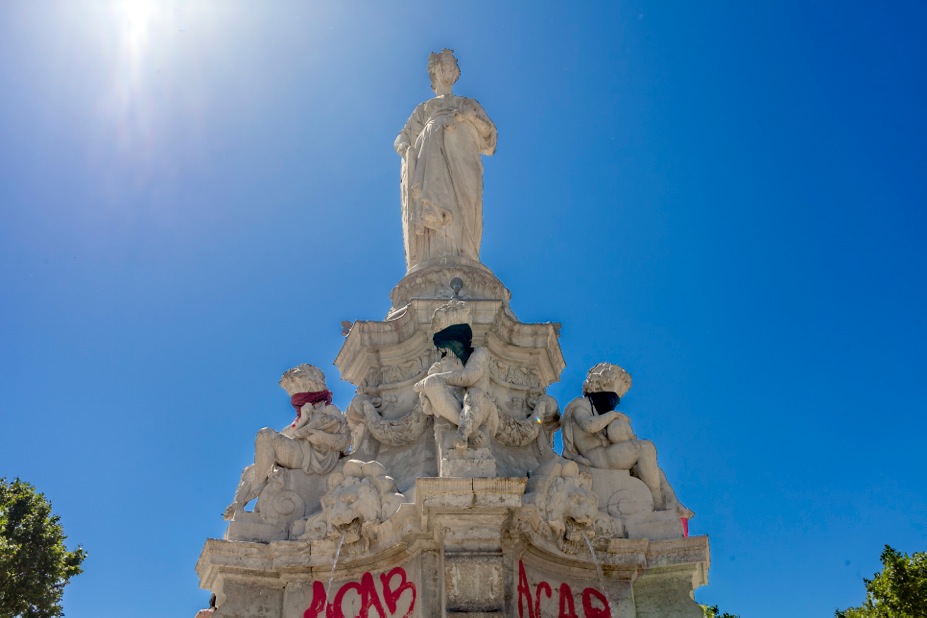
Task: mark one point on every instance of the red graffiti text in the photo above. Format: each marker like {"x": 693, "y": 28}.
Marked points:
{"x": 594, "y": 603}
{"x": 365, "y": 598}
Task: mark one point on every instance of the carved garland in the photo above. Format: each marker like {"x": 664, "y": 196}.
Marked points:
{"x": 522, "y": 377}
{"x": 400, "y": 431}
{"x": 399, "y": 372}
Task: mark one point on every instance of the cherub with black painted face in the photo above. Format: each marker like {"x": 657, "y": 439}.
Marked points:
{"x": 597, "y": 435}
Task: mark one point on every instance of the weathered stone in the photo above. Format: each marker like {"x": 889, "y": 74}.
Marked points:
{"x": 597, "y": 436}
{"x": 285, "y": 475}
{"x": 474, "y": 582}
{"x": 437, "y": 492}
{"x": 442, "y": 173}
{"x": 245, "y": 600}
{"x": 463, "y": 529}
{"x": 666, "y": 593}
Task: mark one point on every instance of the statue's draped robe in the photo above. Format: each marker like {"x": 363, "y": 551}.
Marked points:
{"x": 442, "y": 179}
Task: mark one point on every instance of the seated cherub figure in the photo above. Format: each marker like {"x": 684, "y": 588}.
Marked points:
{"x": 456, "y": 387}
{"x": 313, "y": 442}
{"x": 595, "y": 434}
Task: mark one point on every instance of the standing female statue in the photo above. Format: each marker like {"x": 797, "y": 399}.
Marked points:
{"x": 442, "y": 173}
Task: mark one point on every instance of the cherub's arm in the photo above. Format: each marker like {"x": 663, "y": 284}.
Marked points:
{"x": 472, "y": 372}
{"x": 302, "y": 418}
{"x": 593, "y": 423}
{"x": 333, "y": 441}
{"x": 325, "y": 428}
{"x": 621, "y": 417}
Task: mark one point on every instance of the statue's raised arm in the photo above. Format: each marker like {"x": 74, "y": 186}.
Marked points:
{"x": 442, "y": 172}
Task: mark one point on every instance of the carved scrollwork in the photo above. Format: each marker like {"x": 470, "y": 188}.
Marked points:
{"x": 283, "y": 505}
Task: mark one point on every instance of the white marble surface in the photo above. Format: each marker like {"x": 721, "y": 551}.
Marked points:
{"x": 442, "y": 171}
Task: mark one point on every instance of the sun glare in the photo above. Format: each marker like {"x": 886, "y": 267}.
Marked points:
{"x": 137, "y": 17}
{"x": 154, "y": 50}
{"x": 130, "y": 110}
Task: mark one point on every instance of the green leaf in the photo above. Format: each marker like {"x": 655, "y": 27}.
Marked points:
{"x": 35, "y": 565}
{"x": 899, "y": 590}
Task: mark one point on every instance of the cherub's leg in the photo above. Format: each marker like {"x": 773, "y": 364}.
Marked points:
{"x": 472, "y": 418}
{"x": 241, "y": 494}
{"x": 671, "y": 501}
{"x": 646, "y": 469}
{"x": 441, "y": 397}
{"x": 465, "y": 427}
{"x": 254, "y": 477}
{"x": 264, "y": 455}
{"x": 619, "y": 431}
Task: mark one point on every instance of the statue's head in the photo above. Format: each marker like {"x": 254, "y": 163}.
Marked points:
{"x": 443, "y": 71}
{"x": 303, "y": 379}
{"x": 605, "y": 384}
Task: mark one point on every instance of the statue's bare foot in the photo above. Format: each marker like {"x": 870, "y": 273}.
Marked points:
{"x": 480, "y": 439}
{"x": 230, "y": 511}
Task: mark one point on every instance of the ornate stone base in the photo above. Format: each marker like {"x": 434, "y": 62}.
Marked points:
{"x": 461, "y": 462}
{"x": 469, "y": 463}
{"x": 458, "y": 550}
{"x": 288, "y": 496}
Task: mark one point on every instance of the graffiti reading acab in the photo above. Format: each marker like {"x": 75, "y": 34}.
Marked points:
{"x": 382, "y": 601}
{"x": 594, "y": 603}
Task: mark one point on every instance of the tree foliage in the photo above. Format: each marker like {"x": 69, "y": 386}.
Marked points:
{"x": 712, "y": 611}
{"x": 35, "y": 566}
{"x": 898, "y": 591}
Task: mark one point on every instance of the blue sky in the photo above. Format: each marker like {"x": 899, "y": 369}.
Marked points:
{"x": 726, "y": 198}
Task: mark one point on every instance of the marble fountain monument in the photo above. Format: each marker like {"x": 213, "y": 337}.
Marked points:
{"x": 437, "y": 491}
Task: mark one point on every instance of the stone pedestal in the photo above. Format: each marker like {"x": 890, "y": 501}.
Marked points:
{"x": 461, "y": 462}
{"x": 465, "y": 547}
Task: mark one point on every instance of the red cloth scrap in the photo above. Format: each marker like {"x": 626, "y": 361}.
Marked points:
{"x": 300, "y": 399}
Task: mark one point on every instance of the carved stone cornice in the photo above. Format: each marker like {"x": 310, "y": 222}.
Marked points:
{"x": 477, "y": 282}
{"x": 526, "y": 356}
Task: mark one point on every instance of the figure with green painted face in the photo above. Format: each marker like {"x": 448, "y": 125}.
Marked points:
{"x": 456, "y": 387}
